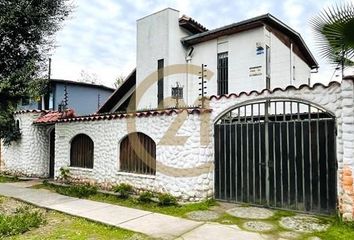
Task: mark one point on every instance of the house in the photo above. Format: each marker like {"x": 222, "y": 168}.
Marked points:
{"x": 265, "y": 137}
{"x": 84, "y": 98}
{"x": 254, "y": 54}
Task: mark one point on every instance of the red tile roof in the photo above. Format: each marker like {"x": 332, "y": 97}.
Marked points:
{"x": 54, "y": 116}
{"x": 108, "y": 116}
{"x": 217, "y": 97}
{"x": 30, "y": 111}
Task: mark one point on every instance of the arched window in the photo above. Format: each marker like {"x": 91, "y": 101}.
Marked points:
{"x": 81, "y": 152}
{"x": 138, "y": 154}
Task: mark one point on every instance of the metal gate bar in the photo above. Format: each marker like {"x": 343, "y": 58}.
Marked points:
{"x": 279, "y": 153}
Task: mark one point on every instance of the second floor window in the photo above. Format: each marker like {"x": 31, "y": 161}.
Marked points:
{"x": 177, "y": 92}
{"x": 223, "y": 73}
{"x": 160, "y": 88}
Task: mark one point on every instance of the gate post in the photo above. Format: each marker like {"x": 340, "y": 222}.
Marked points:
{"x": 345, "y": 168}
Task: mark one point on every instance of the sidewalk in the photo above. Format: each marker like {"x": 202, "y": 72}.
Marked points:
{"x": 152, "y": 224}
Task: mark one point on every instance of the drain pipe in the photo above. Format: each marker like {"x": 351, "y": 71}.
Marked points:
{"x": 291, "y": 64}
{"x": 188, "y": 60}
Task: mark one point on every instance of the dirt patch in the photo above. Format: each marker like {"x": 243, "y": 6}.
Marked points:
{"x": 9, "y": 206}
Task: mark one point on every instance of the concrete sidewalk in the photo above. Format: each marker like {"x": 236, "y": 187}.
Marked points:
{"x": 152, "y": 224}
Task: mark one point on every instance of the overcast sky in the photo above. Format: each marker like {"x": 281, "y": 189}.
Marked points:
{"x": 100, "y": 36}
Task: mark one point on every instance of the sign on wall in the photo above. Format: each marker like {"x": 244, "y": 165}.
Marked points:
{"x": 259, "y": 48}
{"x": 255, "y": 71}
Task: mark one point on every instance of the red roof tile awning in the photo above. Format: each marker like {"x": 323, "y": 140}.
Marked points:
{"x": 52, "y": 117}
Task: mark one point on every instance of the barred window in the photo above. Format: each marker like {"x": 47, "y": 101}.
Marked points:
{"x": 81, "y": 151}
{"x": 223, "y": 73}
{"x": 138, "y": 154}
{"x": 177, "y": 92}
{"x": 160, "y": 87}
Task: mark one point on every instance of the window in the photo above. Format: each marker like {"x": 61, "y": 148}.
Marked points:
{"x": 177, "y": 92}
{"x": 267, "y": 67}
{"x": 17, "y": 127}
{"x": 51, "y": 101}
{"x": 81, "y": 152}
{"x": 25, "y": 101}
{"x": 138, "y": 154}
{"x": 223, "y": 75}
{"x": 160, "y": 73}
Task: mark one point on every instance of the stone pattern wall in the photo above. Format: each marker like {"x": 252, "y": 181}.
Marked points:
{"x": 184, "y": 170}
{"x": 346, "y": 150}
{"x": 29, "y": 155}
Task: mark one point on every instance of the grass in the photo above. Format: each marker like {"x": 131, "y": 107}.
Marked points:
{"x": 61, "y": 226}
{"x": 28, "y": 222}
{"x": 338, "y": 230}
{"x": 179, "y": 210}
{"x": 5, "y": 179}
{"x": 21, "y": 221}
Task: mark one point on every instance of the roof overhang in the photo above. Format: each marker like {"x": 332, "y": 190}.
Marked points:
{"x": 266, "y": 20}
{"x": 120, "y": 93}
{"x": 191, "y": 25}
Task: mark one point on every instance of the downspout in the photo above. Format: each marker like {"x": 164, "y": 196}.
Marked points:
{"x": 188, "y": 59}
{"x": 291, "y": 64}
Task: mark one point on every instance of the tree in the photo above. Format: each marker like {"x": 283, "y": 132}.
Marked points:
{"x": 88, "y": 77}
{"x": 27, "y": 30}
{"x": 335, "y": 35}
{"x": 119, "y": 80}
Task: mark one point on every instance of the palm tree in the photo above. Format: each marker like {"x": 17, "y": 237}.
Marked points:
{"x": 334, "y": 32}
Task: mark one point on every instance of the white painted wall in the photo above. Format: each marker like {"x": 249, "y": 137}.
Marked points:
{"x": 241, "y": 50}
{"x": 282, "y": 62}
{"x": 159, "y": 36}
{"x": 107, "y": 135}
{"x": 29, "y": 155}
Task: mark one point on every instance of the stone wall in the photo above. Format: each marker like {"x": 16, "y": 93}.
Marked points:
{"x": 184, "y": 143}
{"x": 336, "y": 98}
{"x": 184, "y": 170}
{"x": 29, "y": 155}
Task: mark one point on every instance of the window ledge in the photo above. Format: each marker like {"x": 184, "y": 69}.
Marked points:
{"x": 80, "y": 169}
{"x": 137, "y": 175}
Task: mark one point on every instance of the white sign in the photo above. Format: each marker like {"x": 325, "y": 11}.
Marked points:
{"x": 255, "y": 71}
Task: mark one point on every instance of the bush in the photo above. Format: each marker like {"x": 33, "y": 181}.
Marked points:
{"x": 23, "y": 220}
{"x": 145, "y": 197}
{"x": 79, "y": 191}
{"x": 166, "y": 199}
{"x": 64, "y": 173}
{"x": 124, "y": 190}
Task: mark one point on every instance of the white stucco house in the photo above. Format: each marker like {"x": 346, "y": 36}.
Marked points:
{"x": 254, "y": 54}
{"x": 264, "y": 135}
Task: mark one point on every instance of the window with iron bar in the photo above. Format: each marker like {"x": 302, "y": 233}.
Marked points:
{"x": 177, "y": 92}
{"x": 223, "y": 73}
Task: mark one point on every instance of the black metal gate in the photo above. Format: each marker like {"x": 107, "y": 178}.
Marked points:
{"x": 277, "y": 153}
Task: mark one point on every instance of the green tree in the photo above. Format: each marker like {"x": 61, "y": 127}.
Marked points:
{"x": 27, "y": 29}
{"x": 119, "y": 80}
{"x": 334, "y": 32}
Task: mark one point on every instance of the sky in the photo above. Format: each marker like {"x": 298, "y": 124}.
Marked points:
{"x": 99, "y": 38}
